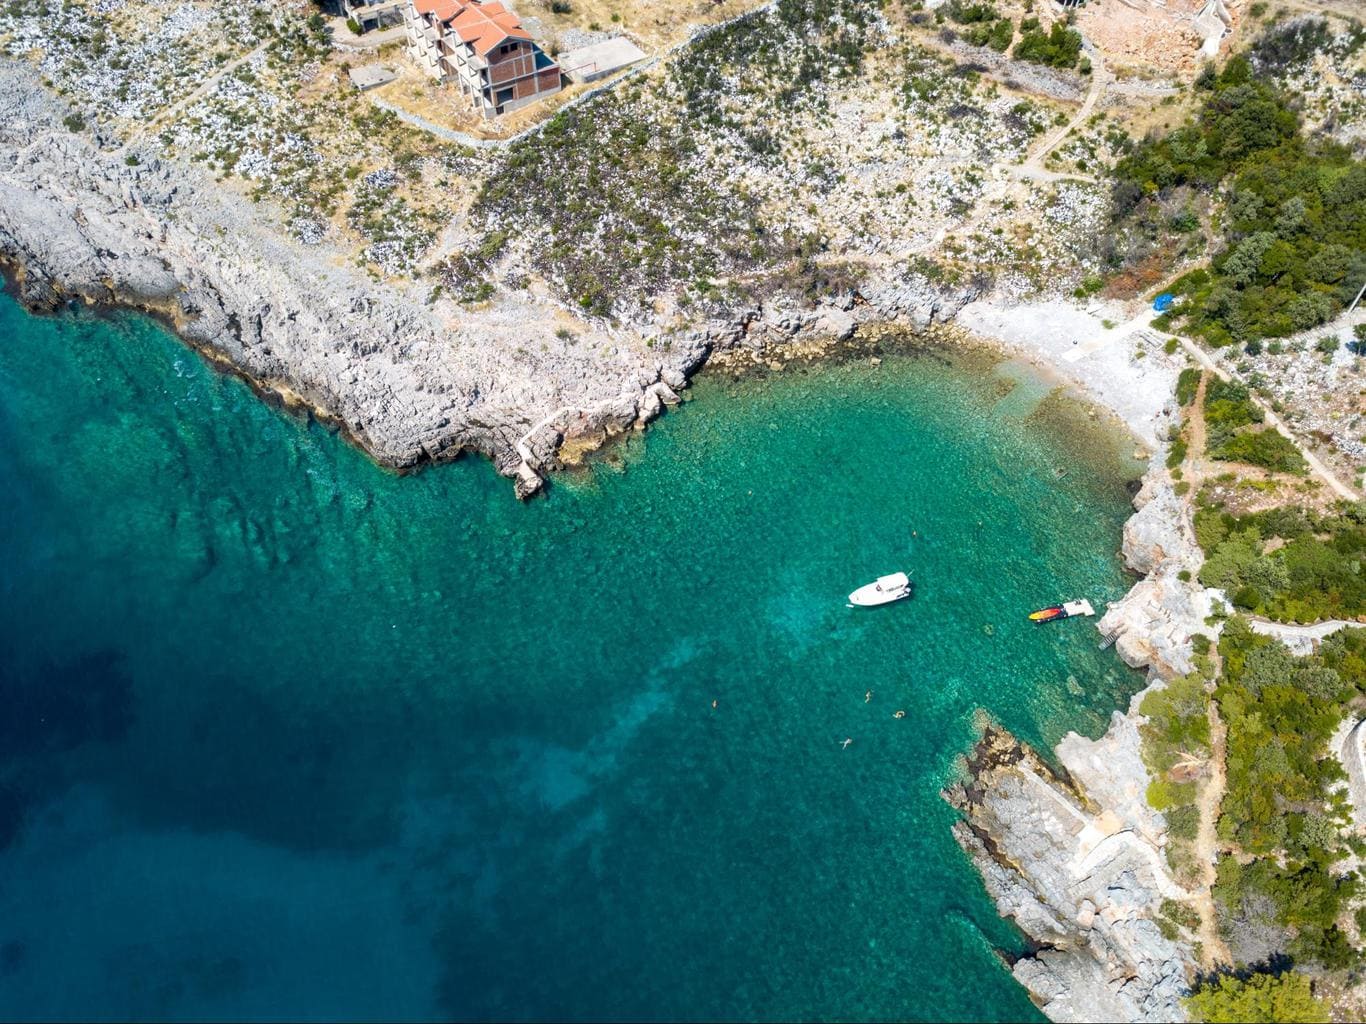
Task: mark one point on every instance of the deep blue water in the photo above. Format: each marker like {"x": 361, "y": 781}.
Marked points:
{"x": 286, "y": 735}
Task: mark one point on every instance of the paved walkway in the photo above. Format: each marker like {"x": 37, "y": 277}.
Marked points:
{"x": 344, "y": 39}
{"x": 1301, "y": 639}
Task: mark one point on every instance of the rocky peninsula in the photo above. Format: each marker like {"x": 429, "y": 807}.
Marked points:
{"x": 1072, "y": 852}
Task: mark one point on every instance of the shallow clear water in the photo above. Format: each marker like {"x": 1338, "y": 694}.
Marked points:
{"x": 287, "y": 735}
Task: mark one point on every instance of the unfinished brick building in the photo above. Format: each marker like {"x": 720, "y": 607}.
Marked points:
{"x": 482, "y": 48}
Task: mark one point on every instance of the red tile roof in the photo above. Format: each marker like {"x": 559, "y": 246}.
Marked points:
{"x": 482, "y": 25}
{"x": 444, "y": 10}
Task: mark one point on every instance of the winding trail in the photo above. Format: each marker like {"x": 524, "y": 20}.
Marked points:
{"x": 1210, "y": 799}
{"x": 175, "y": 109}
{"x": 1100, "y": 78}
{"x": 1315, "y": 463}
{"x": 1207, "y": 846}
{"x": 1030, "y": 169}
{"x": 1143, "y": 322}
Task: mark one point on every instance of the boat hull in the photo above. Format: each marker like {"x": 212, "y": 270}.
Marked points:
{"x": 871, "y": 595}
{"x": 1066, "y": 610}
{"x": 1048, "y": 614}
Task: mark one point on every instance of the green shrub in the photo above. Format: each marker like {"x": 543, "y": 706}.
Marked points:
{"x": 1183, "y": 822}
{"x": 1163, "y": 794}
{"x": 1059, "y": 47}
{"x": 1002, "y": 32}
{"x": 966, "y": 13}
{"x": 1187, "y": 385}
{"x": 1268, "y": 448}
{"x": 1090, "y": 284}
{"x": 1286, "y": 997}
{"x": 1177, "y": 454}
{"x": 982, "y": 24}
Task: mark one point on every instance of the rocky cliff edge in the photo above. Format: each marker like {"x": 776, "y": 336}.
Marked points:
{"x": 409, "y": 377}
{"x": 1074, "y": 855}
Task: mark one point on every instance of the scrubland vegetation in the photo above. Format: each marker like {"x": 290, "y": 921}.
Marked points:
{"x": 1235, "y": 999}
{"x": 1293, "y": 221}
{"x": 1285, "y": 807}
{"x": 1285, "y": 563}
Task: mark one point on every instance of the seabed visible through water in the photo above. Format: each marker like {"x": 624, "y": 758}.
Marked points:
{"x": 291, "y": 736}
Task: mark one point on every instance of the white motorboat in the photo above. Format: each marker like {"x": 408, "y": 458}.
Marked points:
{"x": 883, "y": 590}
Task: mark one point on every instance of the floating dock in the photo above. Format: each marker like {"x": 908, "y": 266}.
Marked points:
{"x": 1067, "y": 610}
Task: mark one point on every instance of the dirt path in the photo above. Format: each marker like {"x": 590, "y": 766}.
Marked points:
{"x": 1100, "y": 78}
{"x": 1213, "y": 948}
{"x": 1194, "y": 468}
{"x": 1206, "y": 847}
{"x": 174, "y": 111}
{"x": 1315, "y": 463}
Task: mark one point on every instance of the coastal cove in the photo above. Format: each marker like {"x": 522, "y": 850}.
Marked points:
{"x": 298, "y": 736}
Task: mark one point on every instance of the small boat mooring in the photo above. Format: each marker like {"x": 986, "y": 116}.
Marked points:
{"x": 1066, "y": 610}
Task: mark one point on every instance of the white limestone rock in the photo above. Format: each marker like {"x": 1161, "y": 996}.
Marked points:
{"x": 1080, "y": 874}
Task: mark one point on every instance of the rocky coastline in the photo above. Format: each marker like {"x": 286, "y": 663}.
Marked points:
{"x": 410, "y": 381}
{"x": 1073, "y": 854}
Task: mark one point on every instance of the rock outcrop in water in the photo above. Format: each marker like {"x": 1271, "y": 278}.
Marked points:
{"x": 1075, "y": 857}
{"x": 1083, "y": 879}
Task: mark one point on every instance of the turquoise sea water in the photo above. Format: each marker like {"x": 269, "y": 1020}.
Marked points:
{"x": 286, "y": 735}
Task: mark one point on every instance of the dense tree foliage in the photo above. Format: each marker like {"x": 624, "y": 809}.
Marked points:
{"x": 1176, "y": 732}
{"x": 1294, "y": 224}
{"x": 1283, "y": 806}
{"x": 1228, "y": 410}
{"x": 1059, "y": 47}
{"x": 1316, "y": 573}
{"x": 1272, "y": 998}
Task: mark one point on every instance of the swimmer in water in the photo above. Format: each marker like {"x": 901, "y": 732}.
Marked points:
{"x": 868, "y": 696}
{"x": 713, "y": 705}
{"x": 845, "y": 745}
{"x": 899, "y": 714}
